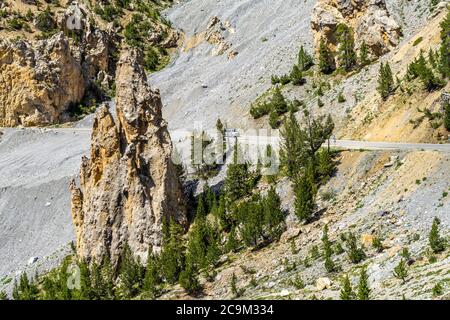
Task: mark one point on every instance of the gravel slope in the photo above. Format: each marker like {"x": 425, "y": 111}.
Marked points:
{"x": 35, "y": 168}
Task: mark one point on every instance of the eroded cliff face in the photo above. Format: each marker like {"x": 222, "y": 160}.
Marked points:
{"x": 38, "y": 82}
{"x": 129, "y": 183}
{"x": 369, "y": 19}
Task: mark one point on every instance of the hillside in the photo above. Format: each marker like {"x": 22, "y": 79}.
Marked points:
{"x": 207, "y": 60}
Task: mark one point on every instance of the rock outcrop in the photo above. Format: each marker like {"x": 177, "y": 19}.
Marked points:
{"x": 215, "y": 34}
{"x": 38, "y": 82}
{"x": 129, "y": 184}
{"x": 369, "y": 19}
{"x": 94, "y": 47}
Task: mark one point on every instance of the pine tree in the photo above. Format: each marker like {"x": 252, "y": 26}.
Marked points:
{"x": 201, "y": 210}
{"x": 274, "y": 119}
{"x": 188, "y": 277}
{"x": 363, "y": 285}
{"x": 326, "y": 60}
{"x": 213, "y": 251}
{"x": 447, "y": 116}
{"x": 151, "y": 278}
{"x": 437, "y": 243}
{"x": 232, "y": 243}
{"x": 378, "y": 244}
{"x": 297, "y": 76}
{"x": 400, "y": 271}
{"x": 239, "y": 180}
{"x": 172, "y": 256}
{"x": 305, "y": 61}
{"x": 364, "y": 55}
{"x": 426, "y": 75}
{"x": 25, "y": 290}
{"x": 3, "y": 295}
{"x": 197, "y": 244}
{"x": 444, "y": 64}
{"x": 385, "y": 81}
{"x": 355, "y": 253}
{"x": 346, "y": 52}
{"x": 221, "y": 213}
{"x": 304, "y": 202}
{"x": 278, "y": 102}
{"x": 328, "y": 251}
{"x": 292, "y": 146}
{"x": 131, "y": 274}
{"x": 346, "y": 290}
{"x": 273, "y": 215}
{"x": 250, "y": 214}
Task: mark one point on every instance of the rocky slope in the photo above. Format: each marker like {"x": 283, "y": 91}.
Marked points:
{"x": 230, "y": 49}
{"x": 369, "y": 19}
{"x": 66, "y": 53}
{"x": 129, "y": 184}
{"x": 38, "y": 83}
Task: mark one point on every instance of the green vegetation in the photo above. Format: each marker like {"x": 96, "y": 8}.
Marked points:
{"x": 326, "y": 59}
{"x": 346, "y": 290}
{"x": 330, "y": 265}
{"x": 46, "y": 23}
{"x": 385, "y": 81}
{"x": 363, "y": 285}
{"x": 346, "y": 52}
{"x": 364, "y": 55}
{"x": 444, "y": 64}
{"x": 355, "y": 253}
{"x": 437, "y": 243}
{"x": 447, "y": 116}
{"x": 401, "y": 271}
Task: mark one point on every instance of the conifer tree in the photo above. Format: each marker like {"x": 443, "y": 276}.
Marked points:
{"x": 297, "y": 76}
{"x": 304, "y": 202}
{"x": 239, "y": 180}
{"x": 213, "y": 251}
{"x": 346, "y": 290}
{"x": 305, "y": 61}
{"x": 188, "y": 277}
{"x": 363, "y": 285}
{"x": 355, "y": 253}
{"x": 221, "y": 213}
{"x": 292, "y": 146}
{"x": 25, "y": 290}
{"x": 273, "y": 216}
{"x": 437, "y": 243}
{"x": 400, "y": 271}
{"x": 131, "y": 274}
{"x": 201, "y": 210}
{"x": 278, "y": 102}
{"x": 172, "y": 256}
{"x": 197, "y": 244}
{"x": 385, "y": 81}
{"x": 232, "y": 243}
{"x": 3, "y": 295}
{"x": 151, "y": 278}
{"x": 346, "y": 51}
{"x": 444, "y": 64}
{"x": 328, "y": 251}
{"x": 426, "y": 75}
{"x": 447, "y": 116}
{"x": 326, "y": 60}
{"x": 364, "y": 55}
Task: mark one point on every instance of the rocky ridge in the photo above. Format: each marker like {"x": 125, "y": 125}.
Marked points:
{"x": 129, "y": 184}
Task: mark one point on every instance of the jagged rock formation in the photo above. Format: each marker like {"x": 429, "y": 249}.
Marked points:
{"x": 95, "y": 47}
{"x": 129, "y": 183}
{"x": 38, "y": 82}
{"x": 215, "y": 34}
{"x": 369, "y": 19}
